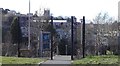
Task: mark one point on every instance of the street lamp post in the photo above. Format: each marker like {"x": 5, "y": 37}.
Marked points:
{"x": 72, "y": 36}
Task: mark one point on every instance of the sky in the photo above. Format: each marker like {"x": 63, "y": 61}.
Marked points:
{"x": 78, "y": 8}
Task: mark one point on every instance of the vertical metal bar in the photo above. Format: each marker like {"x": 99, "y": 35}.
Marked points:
{"x": 52, "y": 39}
{"x": 83, "y": 37}
{"x": 41, "y": 44}
{"x": 72, "y": 37}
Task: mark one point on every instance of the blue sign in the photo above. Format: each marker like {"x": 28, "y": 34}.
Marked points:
{"x": 46, "y": 40}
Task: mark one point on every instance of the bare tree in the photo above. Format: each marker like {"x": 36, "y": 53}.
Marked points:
{"x": 102, "y": 21}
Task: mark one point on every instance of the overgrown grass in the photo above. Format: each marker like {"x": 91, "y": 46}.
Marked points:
{"x": 104, "y": 59}
{"x": 16, "y": 60}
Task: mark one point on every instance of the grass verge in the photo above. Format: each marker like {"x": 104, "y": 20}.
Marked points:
{"x": 103, "y": 59}
{"x": 16, "y": 60}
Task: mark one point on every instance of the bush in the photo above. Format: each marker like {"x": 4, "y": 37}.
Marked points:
{"x": 109, "y": 52}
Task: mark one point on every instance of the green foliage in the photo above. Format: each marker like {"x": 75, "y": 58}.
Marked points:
{"x": 50, "y": 28}
{"x": 15, "y": 31}
{"x": 62, "y": 47}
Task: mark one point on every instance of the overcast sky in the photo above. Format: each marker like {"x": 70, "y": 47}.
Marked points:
{"x": 78, "y": 8}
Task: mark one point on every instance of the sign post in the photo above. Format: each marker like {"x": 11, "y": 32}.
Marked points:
{"x": 45, "y": 42}
{"x": 51, "y": 39}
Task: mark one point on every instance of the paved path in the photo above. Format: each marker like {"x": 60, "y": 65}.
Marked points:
{"x": 58, "y": 60}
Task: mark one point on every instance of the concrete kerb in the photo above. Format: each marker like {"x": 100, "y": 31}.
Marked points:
{"x": 43, "y": 61}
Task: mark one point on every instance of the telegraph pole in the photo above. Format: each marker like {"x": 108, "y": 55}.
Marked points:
{"x": 72, "y": 20}
{"x": 29, "y": 27}
{"x": 51, "y": 39}
{"x": 83, "y": 36}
